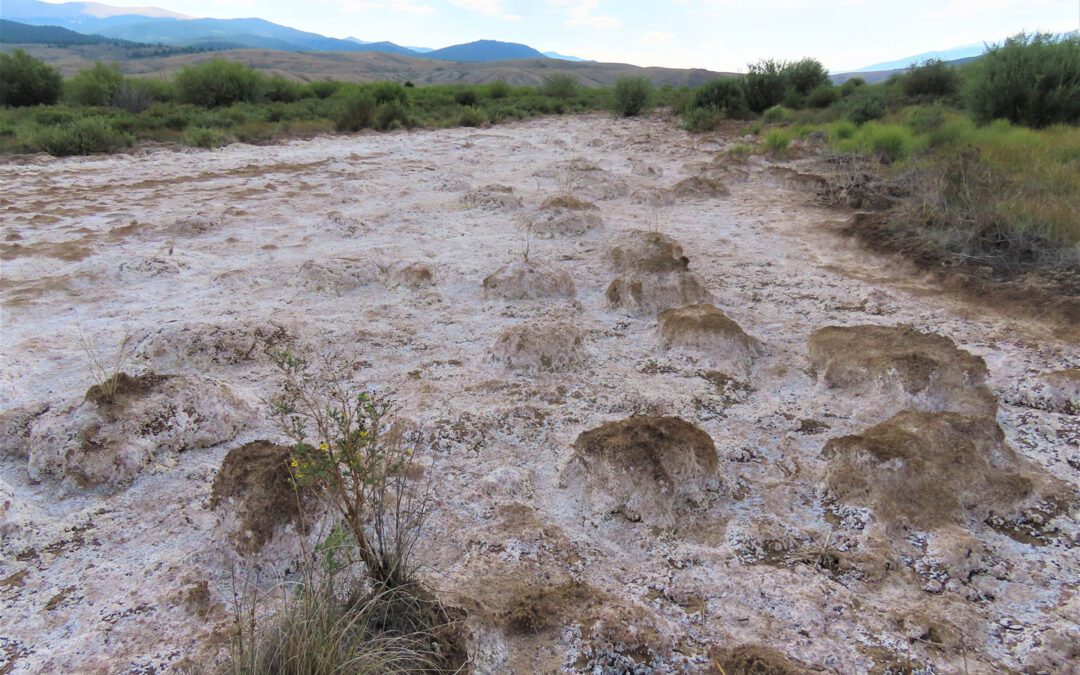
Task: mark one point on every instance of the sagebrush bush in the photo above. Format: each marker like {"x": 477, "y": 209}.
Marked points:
{"x": 467, "y": 97}
{"x": 26, "y": 81}
{"x": 823, "y": 96}
{"x": 702, "y": 119}
{"x": 559, "y": 85}
{"x": 1028, "y": 79}
{"x": 276, "y": 88}
{"x": 497, "y": 90}
{"x": 218, "y": 83}
{"x": 777, "y": 113}
{"x": 631, "y": 95}
{"x": 851, "y": 85}
{"x": 83, "y": 136}
{"x": 777, "y": 141}
{"x": 94, "y": 86}
{"x": 390, "y": 92}
{"x": 391, "y": 115}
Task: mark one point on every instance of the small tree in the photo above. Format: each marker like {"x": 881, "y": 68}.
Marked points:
{"x": 765, "y": 84}
{"x": 1029, "y": 79}
{"x": 632, "y": 95}
{"x": 25, "y": 80}
{"x": 218, "y": 83}
{"x": 96, "y": 85}
{"x": 933, "y": 78}
{"x": 805, "y": 75}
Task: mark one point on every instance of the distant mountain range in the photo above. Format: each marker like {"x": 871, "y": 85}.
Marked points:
{"x": 954, "y": 54}
{"x": 159, "y": 26}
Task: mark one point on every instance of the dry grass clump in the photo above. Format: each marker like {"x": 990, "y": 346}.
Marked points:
{"x": 752, "y": 660}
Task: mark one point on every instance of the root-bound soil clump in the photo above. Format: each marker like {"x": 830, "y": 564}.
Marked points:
{"x": 550, "y": 347}
{"x": 706, "y": 331}
{"x": 529, "y": 280}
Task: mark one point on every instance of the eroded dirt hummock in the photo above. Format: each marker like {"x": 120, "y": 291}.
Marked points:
{"x": 710, "y": 436}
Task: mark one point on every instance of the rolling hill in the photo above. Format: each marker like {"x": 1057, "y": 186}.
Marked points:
{"x": 13, "y": 32}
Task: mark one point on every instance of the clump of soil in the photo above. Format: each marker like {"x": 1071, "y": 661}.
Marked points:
{"x": 706, "y": 330}
{"x": 565, "y": 216}
{"x": 544, "y": 347}
{"x": 492, "y": 198}
{"x": 634, "y": 247}
{"x": 648, "y": 469}
{"x": 656, "y": 284}
{"x": 338, "y": 276}
{"x": 700, "y": 186}
{"x": 752, "y": 660}
{"x": 529, "y": 280}
{"x": 533, "y": 609}
{"x": 148, "y": 421}
{"x": 199, "y": 346}
{"x": 928, "y": 469}
{"x": 255, "y": 482}
{"x": 414, "y": 275}
{"x": 917, "y": 370}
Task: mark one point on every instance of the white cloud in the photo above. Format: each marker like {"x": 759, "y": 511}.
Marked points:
{"x": 582, "y": 14}
{"x": 494, "y": 8}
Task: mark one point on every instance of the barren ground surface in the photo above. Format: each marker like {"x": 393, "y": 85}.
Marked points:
{"x": 176, "y": 248}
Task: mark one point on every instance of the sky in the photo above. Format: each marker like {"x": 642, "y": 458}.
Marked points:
{"x": 721, "y": 35}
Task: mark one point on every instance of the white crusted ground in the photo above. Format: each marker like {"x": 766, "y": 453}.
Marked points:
{"x": 306, "y": 235}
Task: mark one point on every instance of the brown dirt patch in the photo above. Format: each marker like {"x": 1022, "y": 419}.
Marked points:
{"x": 928, "y": 469}
{"x": 255, "y": 477}
{"x": 752, "y": 660}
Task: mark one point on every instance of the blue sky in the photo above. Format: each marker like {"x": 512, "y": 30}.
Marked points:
{"x": 715, "y": 34}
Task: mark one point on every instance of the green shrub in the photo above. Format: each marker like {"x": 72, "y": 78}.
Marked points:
{"x": 740, "y": 151}
{"x": 357, "y": 111}
{"x": 851, "y": 85}
{"x": 471, "y": 116}
{"x": 94, "y": 86}
{"x": 866, "y": 104}
{"x": 805, "y": 75}
{"x": 888, "y": 142}
{"x": 631, "y": 95}
{"x": 765, "y": 84}
{"x": 702, "y": 119}
{"x": 777, "y": 113}
{"x": 131, "y": 97}
{"x": 390, "y": 92}
{"x": 53, "y": 116}
{"x": 932, "y": 79}
{"x": 84, "y": 136}
{"x": 25, "y": 80}
{"x": 925, "y": 119}
{"x": 218, "y": 83}
{"x": 392, "y": 115}
{"x": 840, "y": 131}
{"x": 203, "y": 137}
{"x": 777, "y": 141}
{"x": 559, "y": 85}
{"x": 277, "y": 88}
{"x": 498, "y": 89}
{"x": 1029, "y": 79}
{"x": 725, "y": 95}
{"x": 823, "y": 96}
{"x": 467, "y": 97}
{"x": 321, "y": 89}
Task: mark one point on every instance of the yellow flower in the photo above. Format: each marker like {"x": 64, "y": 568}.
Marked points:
{"x": 294, "y": 463}
{"x": 324, "y": 447}
{"x": 363, "y": 434}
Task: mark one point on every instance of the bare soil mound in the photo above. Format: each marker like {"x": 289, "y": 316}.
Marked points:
{"x": 632, "y": 248}
{"x": 492, "y": 198}
{"x": 655, "y": 284}
{"x": 197, "y": 346}
{"x": 416, "y": 275}
{"x": 565, "y": 216}
{"x": 147, "y": 422}
{"x": 700, "y": 186}
{"x": 338, "y": 276}
{"x": 912, "y": 369}
{"x": 529, "y": 280}
{"x": 256, "y": 497}
{"x": 649, "y": 469}
{"x": 753, "y": 660}
{"x": 706, "y": 330}
{"x": 929, "y": 469}
{"x": 541, "y": 347}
